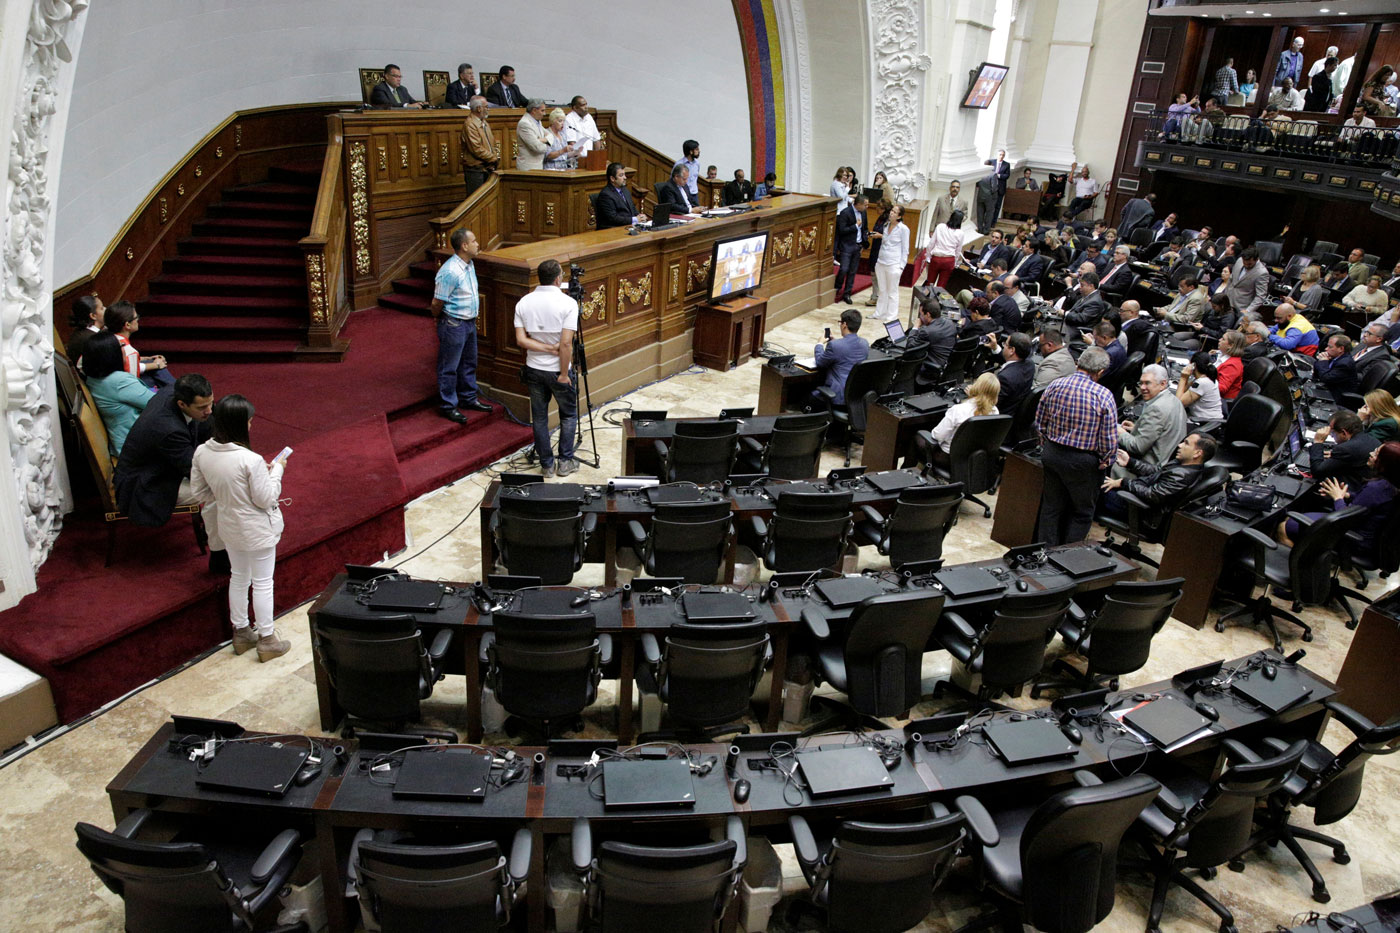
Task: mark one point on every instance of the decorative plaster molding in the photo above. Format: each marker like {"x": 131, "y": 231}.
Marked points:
{"x": 797, "y": 60}
{"x": 897, "y": 40}
{"x": 26, "y": 353}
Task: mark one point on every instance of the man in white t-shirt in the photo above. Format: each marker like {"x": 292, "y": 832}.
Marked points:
{"x": 545, "y": 323}
{"x": 579, "y": 125}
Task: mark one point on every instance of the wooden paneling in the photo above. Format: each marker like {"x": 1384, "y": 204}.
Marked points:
{"x": 1162, "y": 63}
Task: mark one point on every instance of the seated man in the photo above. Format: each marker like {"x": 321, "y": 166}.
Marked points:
{"x": 1256, "y": 340}
{"x": 153, "y": 472}
{"x": 1338, "y": 281}
{"x": 1336, "y": 369}
{"x": 1164, "y": 487}
{"x": 1347, "y": 461}
{"x": 1089, "y": 308}
{"x": 615, "y": 207}
{"x": 738, "y": 191}
{"x": 1292, "y": 331}
{"x": 505, "y": 92}
{"x": 1091, "y": 253}
{"x": 1055, "y": 359}
{"x": 1160, "y": 426}
{"x": 768, "y": 188}
{"x": 1118, "y": 277}
{"x": 1016, "y": 374}
{"x": 1372, "y": 349}
{"x": 1106, "y": 339}
{"x": 1004, "y": 309}
{"x": 461, "y": 91}
{"x": 838, "y": 356}
{"x": 390, "y": 92}
{"x": 935, "y": 332}
{"x": 675, "y": 192}
{"x": 1190, "y": 304}
{"x": 994, "y": 248}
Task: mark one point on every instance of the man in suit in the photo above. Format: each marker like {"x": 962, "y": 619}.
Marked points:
{"x": 675, "y": 192}
{"x": 614, "y": 202}
{"x": 153, "y": 472}
{"x": 390, "y": 92}
{"x": 505, "y": 92}
{"x": 534, "y": 140}
{"x": 1190, "y": 304}
{"x": 738, "y": 191}
{"x": 935, "y": 332}
{"x": 461, "y": 91}
{"x": 1249, "y": 282}
{"x": 1026, "y": 182}
{"x": 994, "y": 248}
{"x": 1338, "y": 281}
{"x": 1391, "y": 283}
{"x": 1118, "y": 277}
{"x": 1016, "y": 374}
{"x": 1030, "y": 265}
{"x": 1371, "y": 350}
{"x": 1358, "y": 270}
{"x": 1160, "y": 427}
{"x": 989, "y": 190}
{"x": 837, "y": 357}
{"x": 1164, "y": 229}
{"x": 1091, "y": 253}
{"x": 944, "y": 205}
{"x": 1089, "y": 308}
{"x": 1346, "y": 461}
{"x": 1055, "y": 359}
{"x": 1106, "y": 339}
{"x": 1335, "y": 368}
{"x": 1138, "y": 212}
{"x": 1002, "y": 170}
{"x": 1004, "y": 310}
{"x": 851, "y": 238}
{"x": 1164, "y": 487}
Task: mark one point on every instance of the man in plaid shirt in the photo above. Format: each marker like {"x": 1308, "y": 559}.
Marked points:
{"x": 1227, "y": 82}
{"x": 1078, "y": 425}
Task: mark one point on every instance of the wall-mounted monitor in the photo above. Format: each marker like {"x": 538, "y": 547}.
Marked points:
{"x": 986, "y": 81}
{"x": 736, "y": 265}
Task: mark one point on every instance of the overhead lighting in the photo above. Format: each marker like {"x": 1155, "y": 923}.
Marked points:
{"x": 1249, "y": 12}
{"x": 1268, "y": 14}
{"x": 1324, "y": 10}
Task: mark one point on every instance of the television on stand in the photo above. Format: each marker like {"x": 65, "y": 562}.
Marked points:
{"x": 736, "y": 266}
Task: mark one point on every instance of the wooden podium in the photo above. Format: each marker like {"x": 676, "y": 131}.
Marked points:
{"x": 727, "y": 333}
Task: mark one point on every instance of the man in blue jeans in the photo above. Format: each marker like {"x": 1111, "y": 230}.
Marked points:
{"x": 545, "y": 323}
{"x": 456, "y": 303}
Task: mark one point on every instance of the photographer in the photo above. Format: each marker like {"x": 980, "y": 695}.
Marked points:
{"x": 545, "y": 323}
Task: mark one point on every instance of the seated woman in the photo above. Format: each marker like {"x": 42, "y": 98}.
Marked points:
{"x": 1199, "y": 389}
{"x": 1378, "y": 495}
{"x": 85, "y": 321}
{"x": 122, "y": 322}
{"x": 119, "y": 395}
{"x": 1229, "y": 365}
{"x": 1381, "y": 416}
{"x": 981, "y": 400}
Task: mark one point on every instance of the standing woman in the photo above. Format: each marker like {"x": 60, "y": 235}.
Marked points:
{"x": 840, "y": 188}
{"x": 894, "y": 252}
{"x": 226, "y": 471}
{"x": 944, "y": 248}
{"x": 877, "y": 235}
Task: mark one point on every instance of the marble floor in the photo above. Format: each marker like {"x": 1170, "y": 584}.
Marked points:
{"x": 46, "y": 885}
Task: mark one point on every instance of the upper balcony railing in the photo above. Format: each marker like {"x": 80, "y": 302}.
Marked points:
{"x": 1292, "y": 138}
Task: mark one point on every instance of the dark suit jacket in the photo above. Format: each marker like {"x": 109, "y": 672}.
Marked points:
{"x": 1339, "y": 375}
{"x": 1117, "y": 282}
{"x": 459, "y": 94}
{"x": 1088, "y": 310}
{"x": 938, "y": 335}
{"x": 1165, "y": 486}
{"x": 1003, "y": 172}
{"x": 1007, "y": 313}
{"x": 671, "y": 194}
{"x": 155, "y": 458}
{"x": 503, "y": 95}
{"x": 1160, "y": 231}
{"x": 990, "y": 253}
{"x": 1117, "y": 356}
{"x": 1100, "y": 264}
{"x": 615, "y": 208}
{"x": 1347, "y": 463}
{"x": 737, "y": 192}
{"x": 847, "y": 223}
{"x": 1339, "y": 289}
{"x": 1033, "y": 268}
{"x": 385, "y": 96}
{"x": 1319, "y": 93}
{"x": 1371, "y": 357}
{"x": 1015, "y": 379}
{"x": 1136, "y": 213}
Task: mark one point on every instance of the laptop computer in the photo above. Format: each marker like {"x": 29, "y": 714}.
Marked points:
{"x": 443, "y": 774}
{"x": 1082, "y": 562}
{"x": 895, "y": 329}
{"x": 893, "y": 480}
{"x": 1166, "y": 721}
{"x": 358, "y": 573}
{"x": 631, "y": 785}
{"x": 965, "y": 582}
{"x": 854, "y": 769}
{"x": 1276, "y": 695}
{"x": 1028, "y": 742}
{"x": 716, "y": 607}
{"x": 253, "y": 768}
{"x": 407, "y": 596}
{"x": 926, "y": 403}
{"x": 845, "y": 592}
{"x": 648, "y": 415}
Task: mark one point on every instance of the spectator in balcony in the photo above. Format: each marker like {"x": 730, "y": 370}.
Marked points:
{"x": 122, "y": 320}
{"x": 1290, "y": 64}
{"x": 1261, "y": 129}
{"x": 1374, "y": 96}
{"x": 1321, "y": 63}
{"x": 1320, "y": 91}
{"x": 1286, "y": 97}
{"x": 85, "y": 320}
{"x": 1359, "y": 119}
{"x": 1053, "y": 192}
{"x": 1357, "y": 267}
{"x": 1308, "y": 296}
{"x": 1195, "y": 128}
{"x": 1368, "y": 298}
{"x": 391, "y": 93}
{"x": 1227, "y": 82}
{"x": 1086, "y": 189}
{"x": 1249, "y": 85}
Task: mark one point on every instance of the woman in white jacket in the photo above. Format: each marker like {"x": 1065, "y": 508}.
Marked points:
{"x": 894, "y": 252}
{"x": 226, "y": 471}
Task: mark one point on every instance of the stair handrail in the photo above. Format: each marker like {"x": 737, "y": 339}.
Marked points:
{"x": 324, "y": 249}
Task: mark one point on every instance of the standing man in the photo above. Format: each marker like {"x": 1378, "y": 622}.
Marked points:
{"x": 944, "y": 205}
{"x": 1002, "y": 169}
{"x": 534, "y": 141}
{"x": 461, "y": 91}
{"x": 989, "y": 190}
{"x": 1227, "y": 82}
{"x": 580, "y": 127}
{"x": 1086, "y": 189}
{"x": 1138, "y": 212}
{"x": 691, "y": 161}
{"x": 615, "y": 207}
{"x": 1249, "y": 282}
{"x": 1290, "y": 63}
{"x": 456, "y": 303}
{"x": 1077, "y": 420}
{"x": 505, "y": 92}
{"x": 391, "y": 93}
{"x": 480, "y": 155}
{"x": 851, "y": 238}
{"x": 545, "y": 323}
{"x": 1320, "y": 93}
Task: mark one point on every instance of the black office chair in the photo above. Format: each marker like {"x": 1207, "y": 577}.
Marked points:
{"x": 1330, "y": 785}
{"x": 1152, "y": 523}
{"x": 1022, "y": 431}
{"x": 1054, "y": 865}
{"x": 1195, "y": 824}
{"x": 1384, "y": 559}
{"x": 543, "y": 537}
{"x": 1008, "y": 650}
{"x": 906, "y": 371}
{"x": 914, "y": 531}
{"x": 875, "y": 658}
{"x": 705, "y": 674}
{"x": 1116, "y": 638}
{"x": 808, "y": 531}
{"x": 1270, "y": 251}
{"x": 868, "y": 381}
{"x": 1147, "y": 341}
{"x": 974, "y": 455}
{"x": 686, "y": 539}
{"x": 1305, "y": 573}
{"x": 677, "y": 888}
{"x": 700, "y": 452}
{"x": 405, "y": 884}
{"x": 380, "y": 668}
{"x": 1141, "y": 236}
{"x": 959, "y": 358}
{"x": 544, "y": 669}
{"x": 793, "y": 451}
{"x": 1322, "y": 248}
{"x": 1117, "y": 381}
{"x": 878, "y": 877}
{"x": 1378, "y": 376}
{"x": 1250, "y": 426}
{"x": 208, "y": 885}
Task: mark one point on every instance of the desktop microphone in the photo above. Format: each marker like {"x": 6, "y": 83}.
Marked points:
{"x": 731, "y": 761}
{"x": 769, "y": 592}
{"x": 626, "y": 596}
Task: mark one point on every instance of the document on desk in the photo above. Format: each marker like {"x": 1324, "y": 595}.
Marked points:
{"x": 806, "y": 362}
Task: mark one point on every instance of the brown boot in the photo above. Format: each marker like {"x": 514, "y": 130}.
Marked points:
{"x": 270, "y": 646}
{"x": 244, "y": 638}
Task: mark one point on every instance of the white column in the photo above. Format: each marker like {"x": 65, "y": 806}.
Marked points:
{"x": 1063, "y": 89}
{"x": 966, "y": 45}
{"x": 1017, "y": 59}
{"x": 899, "y": 65}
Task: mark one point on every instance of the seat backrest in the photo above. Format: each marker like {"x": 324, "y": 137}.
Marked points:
{"x": 1321, "y": 247}
{"x": 708, "y": 672}
{"x": 543, "y": 538}
{"x": 1218, "y": 828}
{"x": 92, "y": 432}
{"x": 1023, "y": 418}
{"x": 1122, "y": 630}
{"x": 430, "y": 887}
{"x": 702, "y": 452}
{"x": 657, "y": 187}
{"x": 975, "y": 451}
{"x": 922, "y": 518}
{"x": 1069, "y": 852}
{"x": 684, "y": 889}
{"x": 369, "y": 79}
{"x": 375, "y": 666}
{"x": 1312, "y": 561}
{"x": 1211, "y": 481}
{"x": 164, "y": 886}
{"x": 814, "y": 504}
{"x": 795, "y": 448}
{"x": 884, "y": 650}
{"x": 958, "y": 360}
{"x": 906, "y": 369}
{"x": 1252, "y": 419}
{"x": 1379, "y": 375}
{"x": 1270, "y": 251}
{"x": 1140, "y": 236}
{"x": 543, "y": 667}
{"x": 688, "y": 540}
{"x": 868, "y": 381}
{"x": 1336, "y": 789}
{"x": 435, "y": 87}
{"x": 882, "y": 876}
{"x": 1131, "y": 369}
{"x": 805, "y": 542}
{"x": 1013, "y": 646}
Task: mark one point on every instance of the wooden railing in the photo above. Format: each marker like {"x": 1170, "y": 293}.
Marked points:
{"x": 324, "y": 252}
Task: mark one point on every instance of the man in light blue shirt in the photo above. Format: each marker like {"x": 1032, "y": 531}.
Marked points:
{"x": 456, "y": 303}
{"x": 691, "y": 161}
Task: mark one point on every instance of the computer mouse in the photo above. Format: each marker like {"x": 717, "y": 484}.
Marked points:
{"x": 1208, "y": 711}
{"x": 1105, "y": 550}
{"x": 1071, "y": 732}
{"x": 1270, "y": 670}
{"x": 1022, "y": 586}
{"x": 741, "y": 790}
{"x": 578, "y": 601}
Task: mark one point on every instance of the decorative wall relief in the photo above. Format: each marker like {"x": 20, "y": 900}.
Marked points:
{"x": 897, "y": 34}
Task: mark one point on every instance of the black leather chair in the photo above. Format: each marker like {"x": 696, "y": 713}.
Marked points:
{"x": 686, "y": 539}
{"x": 380, "y": 668}
{"x": 1151, "y": 523}
{"x": 1054, "y": 865}
{"x": 1378, "y": 376}
{"x": 1022, "y": 431}
{"x": 1264, "y": 373}
{"x": 974, "y": 455}
{"x": 906, "y": 371}
{"x": 543, "y": 537}
{"x": 876, "y": 657}
{"x": 699, "y": 452}
{"x": 705, "y": 674}
{"x": 878, "y": 877}
{"x": 1322, "y": 248}
{"x": 406, "y": 885}
{"x": 1116, "y": 638}
{"x": 1270, "y": 251}
{"x": 676, "y": 888}
{"x": 1384, "y": 559}
{"x": 1118, "y": 381}
{"x": 544, "y": 669}
{"x": 959, "y": 358}
{"x": 808, "y": 531}
{"x": 1305, "y": 573}
{"x": 914, "y": 531}
{"x": 793, "y": 451}
{"x": 1249, "y": 428}
{"x": 1147, "y": 341}
{"x": 1010, "y": 649}
{"x": 1328, "y": 784}
{"x": 867, "y": 382}
{"x": 1202, "y": 825}
{"x": 211, "y": 885}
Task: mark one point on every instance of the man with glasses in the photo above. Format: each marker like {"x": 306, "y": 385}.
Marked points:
{"x": 391, "y": 93}
{"x": 1161, "y": 425}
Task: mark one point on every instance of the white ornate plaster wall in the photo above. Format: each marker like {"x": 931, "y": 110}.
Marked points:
{"x": 899, "y": 63}
{"x": 797, "y": 82}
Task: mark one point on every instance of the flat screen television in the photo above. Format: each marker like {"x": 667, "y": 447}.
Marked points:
{"x": 986, "y": 81}
{"x": 736, "y": 265}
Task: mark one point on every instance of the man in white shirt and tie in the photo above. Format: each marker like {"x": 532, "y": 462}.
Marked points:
{"x": 579, "y": 125}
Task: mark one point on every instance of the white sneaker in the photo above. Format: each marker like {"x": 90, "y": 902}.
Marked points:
{"x": 565, "y": 467}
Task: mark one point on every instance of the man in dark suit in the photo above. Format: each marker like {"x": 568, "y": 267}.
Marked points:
{"x": 674, "y": 191}
{"x": 738, "y": 191}
{"x": 1346, "y": 461}
{"x": 935, "y": 332}
{"x": 1030, "y": 265}
{"x": 1091, "y": 253}
{"x": 1118, "y": 277}
{"x": 1089, "y": 308}
{"x": 1335, "y": 368}
{"x": 1138, "y": 212}
{"x": 1005, "y": 311}
{"x": 837, "y": 356}
{"x": 994, "y": 248}
{"x": 1338, "y": 281}
{"x": 1371, "y": 349}
{"x": 1002, "y": 170}
{"x": 390, "y": 92}
{"x": 1106, "y": 339}
{"x": 988, "y": 199}
{"x": 851, "y": 238}
{"x": 1163, "y": 230}
{"x": 614, "y": 202}
{"x": 461, "y": 91}
{"x": 1016, "y": 374}
{"x": 505, "y": 92}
